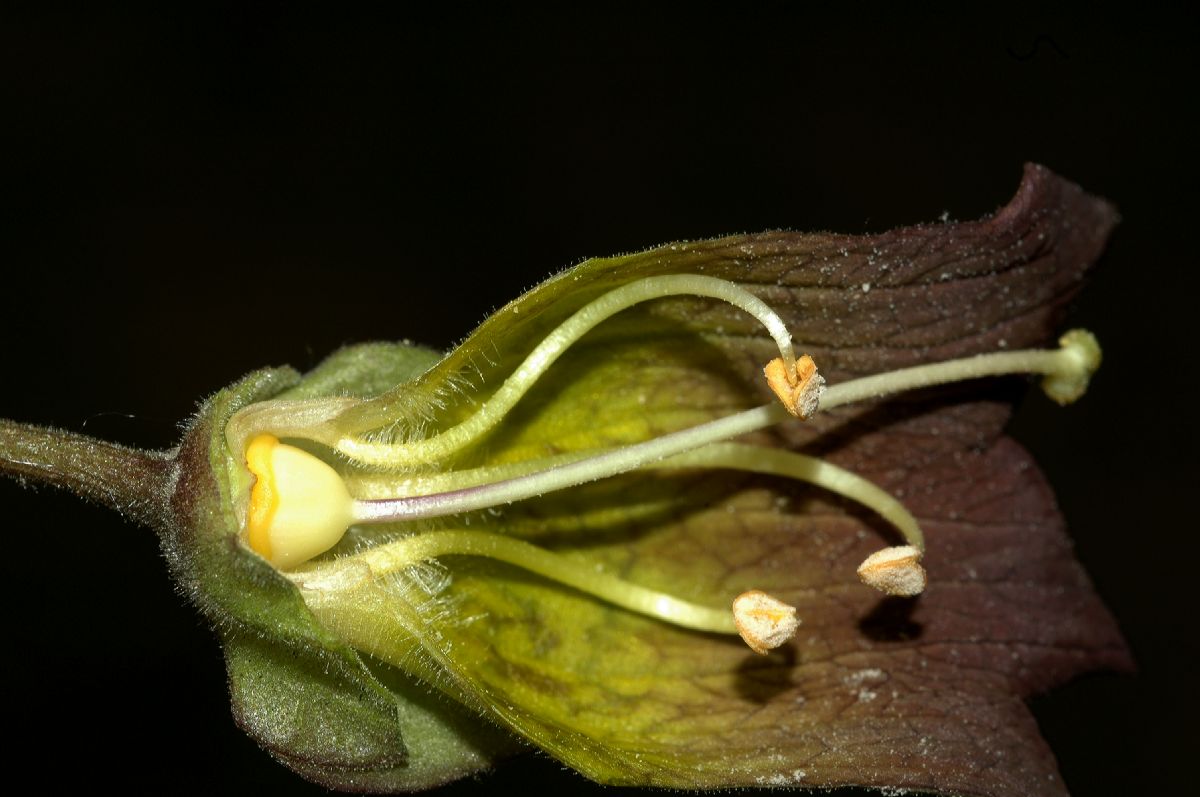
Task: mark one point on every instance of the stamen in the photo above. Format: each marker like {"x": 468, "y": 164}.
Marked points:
{"x": 896, "y": 571}
{"x": 444, "y": 444}
{"x": 799, "y": 389}
{"x": 764, "y": 622}
{"x": 342, "y": 574}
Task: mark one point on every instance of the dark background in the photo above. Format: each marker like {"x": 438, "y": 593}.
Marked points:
{"x": 187, "y": 197}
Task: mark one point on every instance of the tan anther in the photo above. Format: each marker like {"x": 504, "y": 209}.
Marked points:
{"x": 895, "y": 571}
{"x": 800, "y": 392}
{"x": 764, "y": 622}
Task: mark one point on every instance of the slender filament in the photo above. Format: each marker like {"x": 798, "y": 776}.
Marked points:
{"x": 734, "y": 456}
{"x": 608, "y": 463}
{"x": 518, "y": 383}
{"x": 779, "y": 462}
{"x": 583, "y": 576}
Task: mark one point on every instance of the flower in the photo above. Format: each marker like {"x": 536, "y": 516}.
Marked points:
{"x": 499, "y": 524}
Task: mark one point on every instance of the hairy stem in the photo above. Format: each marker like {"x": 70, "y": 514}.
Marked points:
{"x": 134, "y": 483}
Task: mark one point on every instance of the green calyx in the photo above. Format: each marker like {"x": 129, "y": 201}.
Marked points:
{"x": 299, "y": 690}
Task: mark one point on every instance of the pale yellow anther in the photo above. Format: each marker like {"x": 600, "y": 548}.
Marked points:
{"x": 895, "y": 571}
{"x": 1081, "y": 355}
{"x": 299, "y": 506}
{"x": 800, "y": 391}
{"x": 764, "y": 622}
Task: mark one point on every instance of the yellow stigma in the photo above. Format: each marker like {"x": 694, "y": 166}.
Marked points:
{"x": 1081, "y": 357}
{"x": 299, "y": 506}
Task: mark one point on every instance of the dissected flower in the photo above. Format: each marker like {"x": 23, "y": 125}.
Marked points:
{"x": 564, "y": 525}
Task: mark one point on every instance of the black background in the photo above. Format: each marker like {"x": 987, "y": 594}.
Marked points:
{"x": 188, "y": 196}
